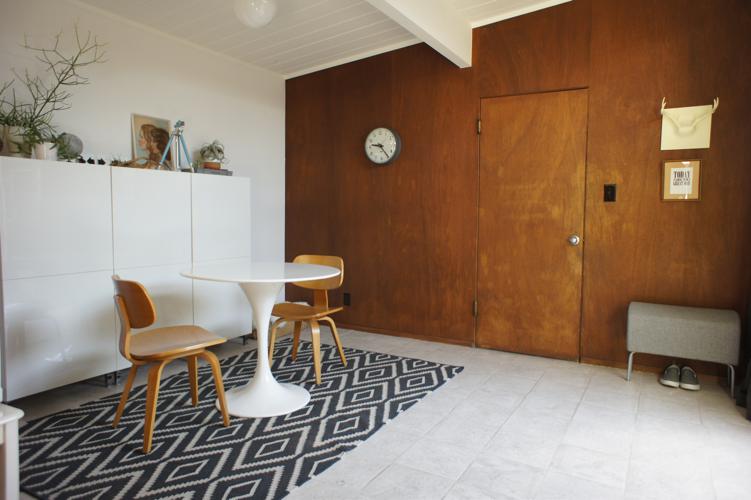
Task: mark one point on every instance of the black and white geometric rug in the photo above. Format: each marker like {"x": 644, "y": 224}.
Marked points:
{"x": 77, "y": 454}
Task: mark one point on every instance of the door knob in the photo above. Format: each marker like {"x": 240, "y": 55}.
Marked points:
{"x": 574, "y": 240}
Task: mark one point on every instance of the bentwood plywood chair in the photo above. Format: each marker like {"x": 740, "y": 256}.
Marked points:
{"x": 319, "y": 311}
{"x": 157, "y": 348}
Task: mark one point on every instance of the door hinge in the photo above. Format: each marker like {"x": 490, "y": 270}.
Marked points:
{"x": 474, "y": 308}
{"x": 479, "y": 126}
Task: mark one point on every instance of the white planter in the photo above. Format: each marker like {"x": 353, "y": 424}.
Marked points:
{"x": 45, "y": 151}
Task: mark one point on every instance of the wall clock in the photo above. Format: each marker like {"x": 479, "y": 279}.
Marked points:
{"x": 383, "y": 145}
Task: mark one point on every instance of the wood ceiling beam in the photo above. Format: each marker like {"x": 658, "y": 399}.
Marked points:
{"x": 435, "y": 23}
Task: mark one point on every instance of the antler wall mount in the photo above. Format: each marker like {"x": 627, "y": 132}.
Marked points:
{"x": 687, "y": 128}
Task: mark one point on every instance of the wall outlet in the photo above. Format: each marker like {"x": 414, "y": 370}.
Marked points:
{"x": 609, "y": 193}
{"x": 346, "y": 299}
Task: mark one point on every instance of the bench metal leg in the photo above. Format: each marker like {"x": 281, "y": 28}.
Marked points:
{"x": 731, "y": 380}
{"x": 630, "y": 365}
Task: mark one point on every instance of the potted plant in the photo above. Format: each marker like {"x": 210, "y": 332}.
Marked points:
{"x": 13, "y": 121}
{"x": 46, "y": 96}
{"x": 40, "y": 142}
{"x": 213, "y": 155}
{"x": 13, "y": 136}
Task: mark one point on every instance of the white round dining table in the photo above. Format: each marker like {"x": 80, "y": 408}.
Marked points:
{"x": 261, "y": 282}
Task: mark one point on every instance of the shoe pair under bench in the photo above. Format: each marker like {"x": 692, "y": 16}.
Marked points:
{"x": 683, "y": 377}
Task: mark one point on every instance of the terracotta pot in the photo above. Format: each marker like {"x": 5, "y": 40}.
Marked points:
{"x": 214, "y": 165}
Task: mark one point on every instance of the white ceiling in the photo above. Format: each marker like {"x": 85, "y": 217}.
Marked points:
{"x": 305, "y": 36}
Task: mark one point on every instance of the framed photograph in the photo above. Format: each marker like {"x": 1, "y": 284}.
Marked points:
{"x": 681, "y": 180}
{"x": 149, "y": 138}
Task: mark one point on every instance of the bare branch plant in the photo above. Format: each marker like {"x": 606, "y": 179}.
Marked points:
{"x": 48, "y": 95}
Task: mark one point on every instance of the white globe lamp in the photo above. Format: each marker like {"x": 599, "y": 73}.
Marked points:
{"x": 255, "y": 13}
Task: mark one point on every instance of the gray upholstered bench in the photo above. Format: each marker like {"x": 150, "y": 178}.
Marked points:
{"x": 684, "y": 332}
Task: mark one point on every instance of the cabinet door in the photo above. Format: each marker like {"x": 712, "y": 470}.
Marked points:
{"x": 172, "y": 295}
{"x": 151, "y": 217}
{"x": 221, "y": 217}
{"x": 221, "y": 308}
{"x": 221, "y": 230}
{"x": 58, "y": 330}
{"x": 55, "y": 218}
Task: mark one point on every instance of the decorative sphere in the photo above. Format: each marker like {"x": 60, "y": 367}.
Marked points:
{"x": 255, "y": 13}
{"x": 74, "y": 143}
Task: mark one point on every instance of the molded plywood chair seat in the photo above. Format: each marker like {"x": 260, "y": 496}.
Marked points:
{"x": 158, "y": 347}
{"x": 318, "y": 312}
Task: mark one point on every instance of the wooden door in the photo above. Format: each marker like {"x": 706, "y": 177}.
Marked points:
{"x": 532, "y": 167}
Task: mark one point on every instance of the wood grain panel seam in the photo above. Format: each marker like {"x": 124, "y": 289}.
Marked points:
{"x": 531, "y": 92}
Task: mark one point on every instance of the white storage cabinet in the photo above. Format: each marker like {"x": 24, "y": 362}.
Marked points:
{"x": 66, "y": 228}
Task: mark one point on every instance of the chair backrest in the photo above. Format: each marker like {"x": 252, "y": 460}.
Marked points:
{"x": 322, "y": 260}
{"x": 135, "y": 308}
{"x": 321, "y": 287}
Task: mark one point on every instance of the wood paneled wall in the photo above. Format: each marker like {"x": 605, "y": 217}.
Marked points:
{"x": 408, "y": 231}
{"x": 641, "y": 248}
{"x": 544, "y": 51}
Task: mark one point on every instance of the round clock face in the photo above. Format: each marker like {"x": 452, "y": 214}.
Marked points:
{"x": 383, "y": 146}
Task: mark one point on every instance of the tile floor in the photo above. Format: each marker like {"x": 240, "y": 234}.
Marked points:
{"x": 513, "y": 426}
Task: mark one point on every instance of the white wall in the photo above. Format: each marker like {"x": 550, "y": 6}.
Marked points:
{"x": 150, "y": 73}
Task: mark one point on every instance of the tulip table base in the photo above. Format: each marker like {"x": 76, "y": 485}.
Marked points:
{"x": 265, "y": 399}
{"x": 262, "y": 396}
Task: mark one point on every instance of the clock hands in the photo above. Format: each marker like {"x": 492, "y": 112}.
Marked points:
{"x": 379, "y": 145}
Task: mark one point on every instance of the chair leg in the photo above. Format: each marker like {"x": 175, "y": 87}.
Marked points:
{"x": 337, "y": 340}
{"x": 126, "y": 393}
{"x": 315, "y": 335}
{"x": 296, "y": 339}
{"x": 216, "y": 369}
{"x": 193, "y": 376}
{"x": 272, "y": 338}
{"x": 630, "y": 366}
{"x": 731, "y": 380}
{"x": 152, "y": 394}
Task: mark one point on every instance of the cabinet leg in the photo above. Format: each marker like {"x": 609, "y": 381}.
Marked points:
{"x": 630, "y": 365}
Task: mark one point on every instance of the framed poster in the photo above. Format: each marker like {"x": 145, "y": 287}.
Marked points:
{"x": 681, "y": 180}
{"x": 149, "y": 137}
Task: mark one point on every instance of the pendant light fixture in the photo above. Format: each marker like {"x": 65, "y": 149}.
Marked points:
{"x": 255, "y": 13}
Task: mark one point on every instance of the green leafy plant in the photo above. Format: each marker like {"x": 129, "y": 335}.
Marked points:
{"x": 213, "y": 151}
{"x": 31, "y": 135}
{"x": 12, "y": 113}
